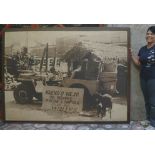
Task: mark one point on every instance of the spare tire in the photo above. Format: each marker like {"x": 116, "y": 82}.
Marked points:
{"x": 23, "y": 94}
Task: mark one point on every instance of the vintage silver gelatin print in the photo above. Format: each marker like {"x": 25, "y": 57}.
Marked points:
{"x": 70, "y": 75}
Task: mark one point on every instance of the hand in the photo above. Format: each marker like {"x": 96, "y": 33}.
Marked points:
{"x": 130, "y": 52}
{"x": 134, "y": 58}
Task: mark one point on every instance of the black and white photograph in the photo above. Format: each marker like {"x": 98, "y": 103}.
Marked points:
{"x": 67, "y": 75}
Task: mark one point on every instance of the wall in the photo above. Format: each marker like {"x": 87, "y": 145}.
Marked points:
{"x": 138, "y": 31}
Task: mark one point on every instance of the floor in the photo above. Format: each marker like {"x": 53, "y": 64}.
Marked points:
{"x": 133, "y": 125}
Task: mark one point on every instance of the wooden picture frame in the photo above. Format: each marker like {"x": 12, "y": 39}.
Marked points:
{"x": 67, "y": 75}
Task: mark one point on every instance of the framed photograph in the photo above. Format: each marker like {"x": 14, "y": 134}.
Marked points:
{"x": 67, "y": 75}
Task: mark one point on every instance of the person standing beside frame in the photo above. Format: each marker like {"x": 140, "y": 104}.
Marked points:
{"x": 146, "y": 61}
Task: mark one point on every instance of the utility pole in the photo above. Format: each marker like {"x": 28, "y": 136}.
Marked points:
{"x": 46, "y": 58}
{"x": 55, "y": 57}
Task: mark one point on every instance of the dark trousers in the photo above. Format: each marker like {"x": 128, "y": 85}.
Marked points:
{"x": 148, "y": 89}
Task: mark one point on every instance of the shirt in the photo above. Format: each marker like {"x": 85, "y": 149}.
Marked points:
{"x": 147, "y": 60}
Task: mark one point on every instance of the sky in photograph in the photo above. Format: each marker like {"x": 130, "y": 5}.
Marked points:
{"x": 103, "y": 43}
{"x": 35, "y": 38}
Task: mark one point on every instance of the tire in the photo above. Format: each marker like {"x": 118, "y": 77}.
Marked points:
{"x": 23, "y": 94}
{"x": 38, "y": 96}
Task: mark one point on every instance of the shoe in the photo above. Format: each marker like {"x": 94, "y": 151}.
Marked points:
{"x": 150, "y": 128}
{"x": 145, "y": 123}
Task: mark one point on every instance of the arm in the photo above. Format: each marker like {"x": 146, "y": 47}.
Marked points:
{"x": 134, "y": 58}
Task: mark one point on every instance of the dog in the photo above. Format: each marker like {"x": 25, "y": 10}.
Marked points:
{"x": 104, "y": 102}
{"x": 101, "y": 110}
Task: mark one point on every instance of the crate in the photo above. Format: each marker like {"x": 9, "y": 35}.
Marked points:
{"x": 107, "y": 76}
{"x": 107, "y": 82}
{"x": 110, "y": 67}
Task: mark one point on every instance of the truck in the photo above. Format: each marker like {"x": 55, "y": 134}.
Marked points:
{"x": 92, "y": 77}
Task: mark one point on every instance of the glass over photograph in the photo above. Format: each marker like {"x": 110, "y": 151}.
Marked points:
{"x": 69, "y": 75}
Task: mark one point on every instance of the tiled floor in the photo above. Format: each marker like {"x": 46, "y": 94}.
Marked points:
{"x": 134, "y": 125}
